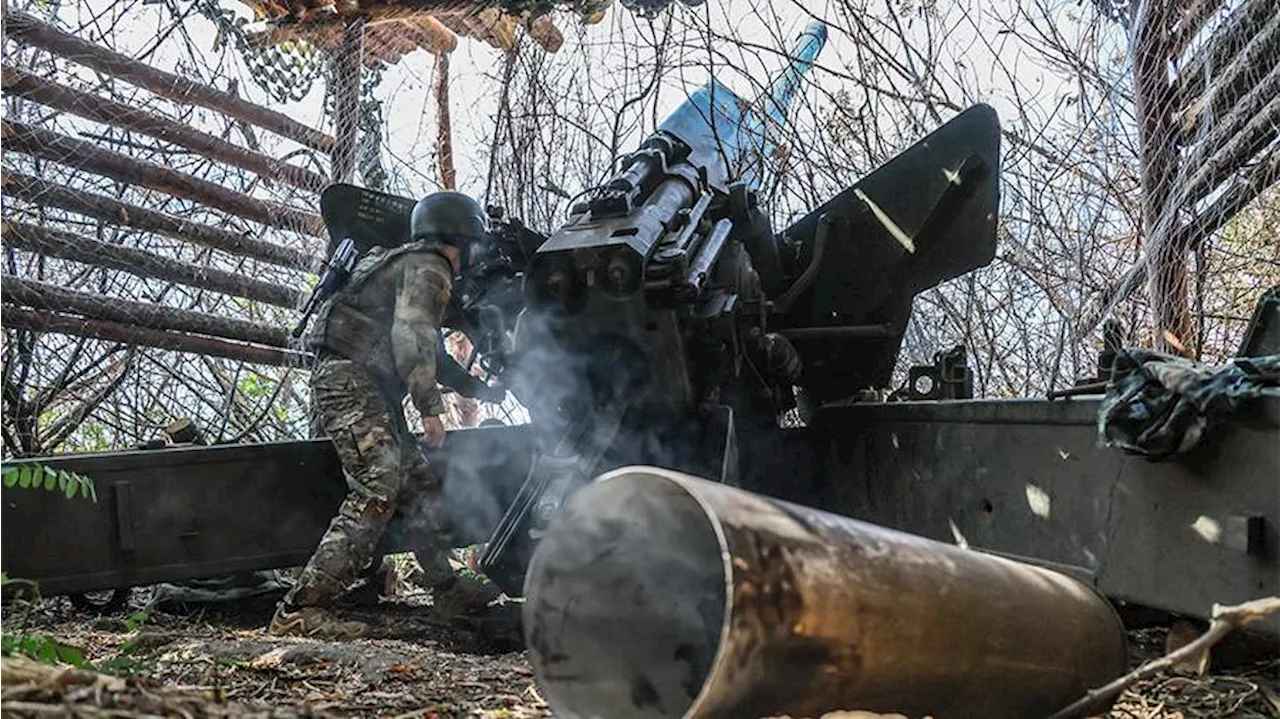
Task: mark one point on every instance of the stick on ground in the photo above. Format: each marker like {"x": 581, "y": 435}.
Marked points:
{"x": 1225, "y": 620}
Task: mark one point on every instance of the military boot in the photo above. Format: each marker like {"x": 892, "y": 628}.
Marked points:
{"x": 313, "y": 623}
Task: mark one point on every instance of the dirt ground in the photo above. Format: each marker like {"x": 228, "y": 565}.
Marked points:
{"x": 219, "y": 663}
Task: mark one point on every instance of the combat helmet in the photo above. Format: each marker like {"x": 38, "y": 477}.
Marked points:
{"x": 449, "y": 217}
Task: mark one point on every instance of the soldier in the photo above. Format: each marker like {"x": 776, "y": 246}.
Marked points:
{"x": 375, "y": 340}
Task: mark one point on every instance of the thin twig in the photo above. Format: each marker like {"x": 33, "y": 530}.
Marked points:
{"x": 1225, "y": 620}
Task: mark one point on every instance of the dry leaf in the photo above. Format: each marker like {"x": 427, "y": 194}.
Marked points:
{"x": 270, "y": 660}
{"x": 403, "y": 669}
{"x": 1181, "y": 634}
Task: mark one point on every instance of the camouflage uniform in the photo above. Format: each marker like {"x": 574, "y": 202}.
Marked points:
{"x": 376, "y": 340}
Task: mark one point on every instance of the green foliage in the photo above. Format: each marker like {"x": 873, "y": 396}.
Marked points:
{"x": 37, "y": 476}
{"x": 93, "y": 436}
{"x": 42, "y": 648}
{"x": 254, "y": 385}
{"x": 123, "y": 662}
{"x": 48, "y": 650}
{"x": 468, "y": 573}
{"x": 134, "y": 621}
{"x": 22, "y": 590}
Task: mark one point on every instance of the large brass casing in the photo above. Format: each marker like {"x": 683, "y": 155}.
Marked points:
{"x": 658, "y": 594}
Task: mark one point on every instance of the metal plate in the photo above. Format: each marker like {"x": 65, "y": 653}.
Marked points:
{"x": 367, "y": 216}
{"x": 192, "y": 512}
{"x": 1027, "y": 479}
{"x": 1262, "y": 337}
{"x": 173, "y": 514}
{"x": 942, "y": 193}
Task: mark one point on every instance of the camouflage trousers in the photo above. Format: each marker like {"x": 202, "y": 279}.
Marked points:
{"x": 387, "y": 475}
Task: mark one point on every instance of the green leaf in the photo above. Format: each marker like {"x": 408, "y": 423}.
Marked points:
{"x": 69, "y": 485}
{"x": 70, "y": 655}
{"x": 10, "y": 476}
{"x": 48, "y": 651}
{"x": 50, "y": 478}
{"x": 24, "y": 476}
{"x": 93, "y": 492}
{"x": 30, "y": 645}
{"x": 137, "y": 619}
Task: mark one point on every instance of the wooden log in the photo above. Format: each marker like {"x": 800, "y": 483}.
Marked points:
{"x": 144, "y": 264}
{"x": 108, "y": 209}
{"x": 27, "y": 30}
{"x": 1224, "y": 128}
{"x": 109, "y": 112}
{"x": 1191, "y": 20}
{"x": 385, "y": 24}
{"x": 1263, "y": 175}
{"x": 1228, "y": 84}
{"x": 41, "y": 295}
{"x": 544, "y": 32}
{"x": 1200, "y": 176}
{"x": 83, "y": 155}
{"x": 1227, "y": 41}
{"x": 1155, "y": 103}
{"x": 20, "y": 318}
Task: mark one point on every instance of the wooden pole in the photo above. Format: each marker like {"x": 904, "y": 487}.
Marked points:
{"x": 83, "y": 155}
{"x": 1192, "y": 17}
{"x": 346, "y": 90}
{"x": 1264, "y": 174}
{"x": 1223, "y": 130}
{"x": 144, "y": 264}
{"x": 41, "y": 295}
{"x": 444, "y": 133}
{"x": 109, "y": 112}
{"x": 42, "y": 321}
{"x": 108, "y": 209}
{"x": 1155, "y": 103}
{"x": 27, "y": 30}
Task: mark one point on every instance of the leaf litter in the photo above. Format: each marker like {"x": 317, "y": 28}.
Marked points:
{"x": 221, "y": 663}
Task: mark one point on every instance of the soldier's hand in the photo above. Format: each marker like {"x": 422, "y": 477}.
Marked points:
{"x": 433, "y": 432}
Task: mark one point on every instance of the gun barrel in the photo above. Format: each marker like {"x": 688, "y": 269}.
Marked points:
{"x": 784, "y": 87}
{"x": 658, "y": 594}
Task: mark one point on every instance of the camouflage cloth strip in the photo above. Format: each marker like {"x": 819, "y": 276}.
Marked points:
{"x": 1159, "y": 405}
{"x": 384, "y": 467}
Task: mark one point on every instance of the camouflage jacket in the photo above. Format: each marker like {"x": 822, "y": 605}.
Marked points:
{"x": 387, "y": 318}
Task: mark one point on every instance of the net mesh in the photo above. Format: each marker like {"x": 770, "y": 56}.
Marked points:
{"x": 1139, "y": 173}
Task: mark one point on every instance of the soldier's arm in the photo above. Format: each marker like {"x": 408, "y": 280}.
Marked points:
{"x": 421, "y": 302}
